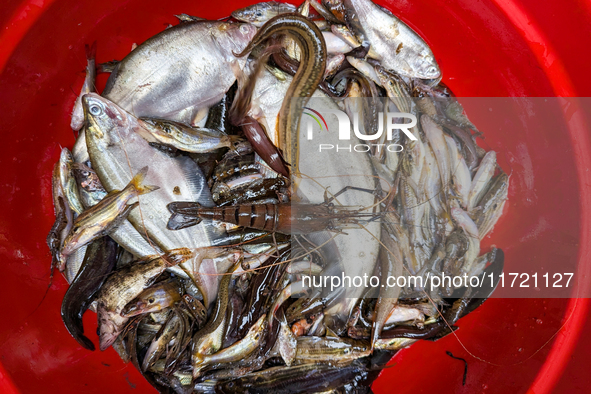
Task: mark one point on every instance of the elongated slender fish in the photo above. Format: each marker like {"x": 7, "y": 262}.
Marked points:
{"x": 483, "y": 175}
{"x": 153, "y": 299}
{"x": 258, "y": 14}
{"x": 87, "y": 87}
{"x": 306, "y": 80}
{"x": 161, "y": 340}
{"x": 330, "y": 350}
{"x": 183, "y": 137}
{"x": 99, "y": 261}
{"x": 102, "y": 218}
{"x": 241, "y": 348}
{"x": 126, "y": 284}
{"x": 68, "y": 182}
{"x": 208, "y": 340}
{"x": 392, "y": 267}
{"x": 91, "y": 193}
{"x": 491, "y": 204}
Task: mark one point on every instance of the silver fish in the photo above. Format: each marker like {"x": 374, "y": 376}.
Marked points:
{"x": 460, "y": 173}
{"x": 183, "y": 137}
{"x": 102, "y": 218}
{"x": 68, "y": 181}
{"x": 483, "y": 175}
{"x": 491, "y": 205}
{"x": 88, "y": 86}
{"x": 258, "y": 14}
{"x": 437, "y": 141}
{"x": 114, "y": 146}
{"x": 179, "y": 71}
{"x": 400, "y": 48}
{"x": 91, "y": 193}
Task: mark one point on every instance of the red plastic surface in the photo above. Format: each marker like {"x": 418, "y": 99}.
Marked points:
{"x": 485, "y": 48}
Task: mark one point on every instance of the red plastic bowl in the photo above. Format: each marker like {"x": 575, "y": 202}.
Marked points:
{"x": 485, "y": 48}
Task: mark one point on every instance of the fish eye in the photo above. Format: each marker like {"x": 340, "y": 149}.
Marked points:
{"x": 166, "y": 129}
{"x": 259, "y": 14}
{"x": 95, "y": 109}
{"x": 151, "y": 300}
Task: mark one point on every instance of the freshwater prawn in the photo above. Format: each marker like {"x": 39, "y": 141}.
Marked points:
{"x": 286, "y": 218}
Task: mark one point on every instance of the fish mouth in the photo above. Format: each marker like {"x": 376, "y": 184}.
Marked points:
{"x": 96, "y": 107}
{"x": 106, "y": 340}
{"x": 134, "y": 309}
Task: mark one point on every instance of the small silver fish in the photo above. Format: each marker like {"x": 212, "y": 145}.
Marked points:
{"x": 258, "y": 14}
{"x": 105, "y": 216}
{"x": 183, "y": 137}
{"x": 88, "y": 86}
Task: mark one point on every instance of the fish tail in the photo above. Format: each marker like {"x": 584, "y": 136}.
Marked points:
{"x": 177, "y": 256}
{"x": 90, "y": 52}
{"x": 137, "y": 181}
{"x": 235, "y": 138}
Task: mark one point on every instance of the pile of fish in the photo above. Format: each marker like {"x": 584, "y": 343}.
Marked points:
{"x": 184, "y": 219}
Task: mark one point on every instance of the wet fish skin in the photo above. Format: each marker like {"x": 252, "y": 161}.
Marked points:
{"x": 208, "y": 340}
{"x": 306, "y": 378}
{"x": 286, "y": 343}
{"x": 91, "y": 193}
{"x": 390, "y": 258}
{"x": 99, "y": 261}
{"x": 90, "y": 187}
{"x": 304, "y": 83}
{"x": 183, "y": 69}
{"x": 183, "y": 137}
{"x": 154, "y": 299}
{"x": 491, "y": 204}
{"x": 68, "y": 182}
{"x": 258, "y": 14}
{"x": 116, "y": 150}
{"x": 161, "y": 340}
{"x": 74, "y": 263}
{"x": 106, "y": 215}
{"x": 484, "y": 174}
{"x": 77, "y": 121}
{"x": 460, "y": 173}
{"x": 241, "y": 348}
{"x": 126, "y": 284}
{"x": 400, "y": 48}
{"x": 330, "y": 350}
{"x": 436, "y": 139}
{"x": 63, "y": 220}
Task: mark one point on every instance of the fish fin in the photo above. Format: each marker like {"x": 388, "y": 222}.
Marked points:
{"x": 184, "y": 18}
{"x": 108, "y": 67}
{"x": 168, "y": 150}
{"x": 177, "y": 256}
{"x": 137, "y": 180}
{"x": 196, "y": 182}
{"x": 234, "y": 140}
{"x": 330, "y": 333}
{"x": 128, "y": 209}
{"x": 90, "y": 52}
